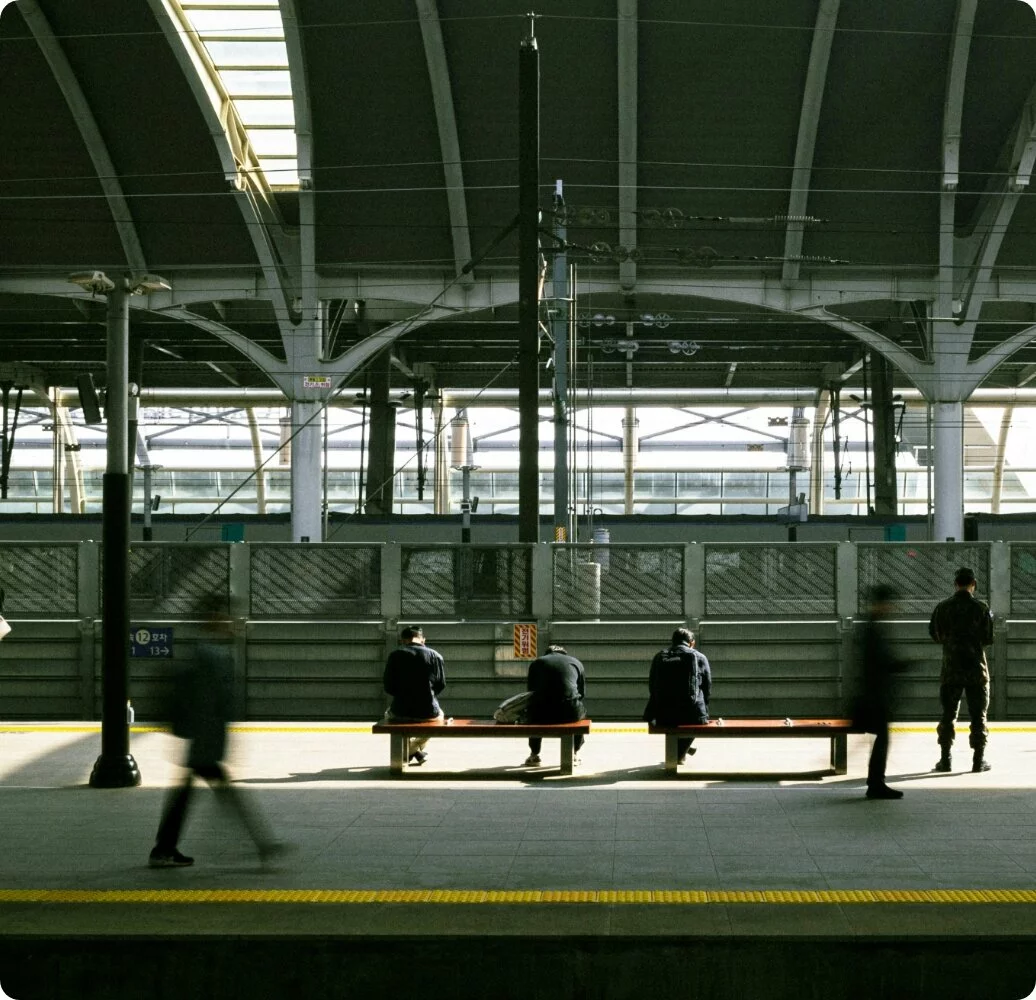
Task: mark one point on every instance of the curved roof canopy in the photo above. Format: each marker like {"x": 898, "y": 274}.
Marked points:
{"x": 791, "y": 183}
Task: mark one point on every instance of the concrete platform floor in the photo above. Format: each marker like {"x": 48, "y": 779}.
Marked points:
{"x": 474, "y": 818}
{"x": 475, "y": 846}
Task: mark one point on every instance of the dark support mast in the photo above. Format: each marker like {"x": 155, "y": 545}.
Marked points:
{"x": 528, "y": 288}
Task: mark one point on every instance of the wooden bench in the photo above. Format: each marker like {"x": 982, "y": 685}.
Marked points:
{"x": 399, "y": 734}
{"x": 836, "y": 730}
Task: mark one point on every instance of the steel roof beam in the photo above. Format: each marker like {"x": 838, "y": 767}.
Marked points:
{"x": 449, "y": 142}
{"x": 306, "y": 283}
{"x": 974, "y": 257}
{"x": 628, "y": 126}
{"x": 82, "y": 113}
{"x": 953, "y": 106}
{"x": 809, "y": 121}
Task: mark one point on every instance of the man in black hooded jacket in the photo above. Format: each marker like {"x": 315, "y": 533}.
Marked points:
{"x": 680, "y": 685}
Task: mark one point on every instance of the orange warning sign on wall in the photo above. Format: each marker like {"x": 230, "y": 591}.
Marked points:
{"x": 525, "y": 642}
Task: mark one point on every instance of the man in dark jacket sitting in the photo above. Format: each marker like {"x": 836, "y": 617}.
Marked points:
{"x": 558, "y": 685}
{"x": 680, "y": 685}
{"x": 415, "y": 675}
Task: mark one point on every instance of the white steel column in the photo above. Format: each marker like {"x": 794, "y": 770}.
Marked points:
{"x": 630, "y": 443}
{"x": 306, "y": 481}
{"x": 816, "y": 468}
{"x": 257, "y": 457}
{"x": 948, "y": 479}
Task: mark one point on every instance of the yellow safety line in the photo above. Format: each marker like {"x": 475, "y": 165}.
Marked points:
{"x": 604, "y": 729}
{"x": 510, "y": 896}
{"x": 95, "y": 727}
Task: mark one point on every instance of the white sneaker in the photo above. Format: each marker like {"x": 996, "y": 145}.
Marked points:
{"x": 533, "y": 760}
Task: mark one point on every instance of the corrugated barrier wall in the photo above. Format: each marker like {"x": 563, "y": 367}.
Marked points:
{"x": 315, "y": 622}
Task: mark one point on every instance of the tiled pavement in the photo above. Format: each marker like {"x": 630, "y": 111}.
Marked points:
{"x": 473, "y": 819}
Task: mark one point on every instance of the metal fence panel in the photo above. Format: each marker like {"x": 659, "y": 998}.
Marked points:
{"x": 40, "y": 580}
{"x": 330, "y": 580}
{"x": 470, "y": 581}
{"x": 618, "y": 581}
{"x": 1023, "y": 579}
{"x": 771, "y": 580}
{"x": 922, "y": 572}
{"x": 178, "y": 579}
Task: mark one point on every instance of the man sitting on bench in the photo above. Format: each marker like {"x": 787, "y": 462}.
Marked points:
{"x": 680, "y": 684}
{"x": 558, "y": 685}
{"x": 414, "y": 675}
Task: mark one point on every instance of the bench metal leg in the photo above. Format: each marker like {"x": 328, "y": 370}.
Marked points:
{"x": 840, "y": 754}
{"x": 567, "y": 753}
{"x": 397, "y": 752}
{"x": 671, "y": 743}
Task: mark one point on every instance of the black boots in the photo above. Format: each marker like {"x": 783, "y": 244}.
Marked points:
{"x": 978, "y": 764}
{"x": 884, "y": 792}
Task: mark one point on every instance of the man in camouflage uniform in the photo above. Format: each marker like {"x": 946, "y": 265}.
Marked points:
{"x": 963, "y": 625}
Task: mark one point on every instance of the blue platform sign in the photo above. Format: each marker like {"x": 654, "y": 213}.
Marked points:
{"x": 151, "y": 642}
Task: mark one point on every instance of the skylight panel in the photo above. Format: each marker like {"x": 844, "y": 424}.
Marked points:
{"x": 243, "y": 41}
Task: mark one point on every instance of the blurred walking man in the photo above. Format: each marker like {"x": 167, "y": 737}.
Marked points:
{"x": 201, "y": 710}
{"x": 873, "y": 709}
{"x": 963, "y": 625}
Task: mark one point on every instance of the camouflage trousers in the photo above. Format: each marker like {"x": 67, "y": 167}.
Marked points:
{"x": 977, "y": 696}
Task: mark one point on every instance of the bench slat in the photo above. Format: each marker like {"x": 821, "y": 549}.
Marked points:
{"x": 762, "y": 728}
{"x": 482, "y": 728}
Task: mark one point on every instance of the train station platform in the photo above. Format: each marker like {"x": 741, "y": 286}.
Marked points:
{"x": 749, "y": 874}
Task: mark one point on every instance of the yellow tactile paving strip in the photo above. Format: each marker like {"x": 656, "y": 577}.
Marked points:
{"x": 512, "y": 896}
{"x": 95, "y": 727}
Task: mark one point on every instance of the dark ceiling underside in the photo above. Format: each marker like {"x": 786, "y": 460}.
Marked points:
{"x": 720, "y": 95}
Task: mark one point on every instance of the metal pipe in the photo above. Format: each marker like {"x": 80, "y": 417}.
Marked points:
{"x": 640, "y": 396}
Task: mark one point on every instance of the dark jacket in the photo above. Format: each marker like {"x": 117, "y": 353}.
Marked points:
{"x": 203, "y": 702}
{"x": 680, "y": 685}
{"x": 963, "y": 625}
{"x": 414, "y": 675}
{"x": 558, "y": 685}
{"x": 876, "y": 664}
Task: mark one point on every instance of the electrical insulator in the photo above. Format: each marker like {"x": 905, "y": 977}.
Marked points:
{"x": 459, "y": 442}
{"x": 798, "y": 444}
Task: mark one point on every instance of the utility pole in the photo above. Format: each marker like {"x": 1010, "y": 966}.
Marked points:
{"x": 528, "y": 287}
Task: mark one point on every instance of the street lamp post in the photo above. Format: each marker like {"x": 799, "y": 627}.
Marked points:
{"x": 115, "y": 767}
